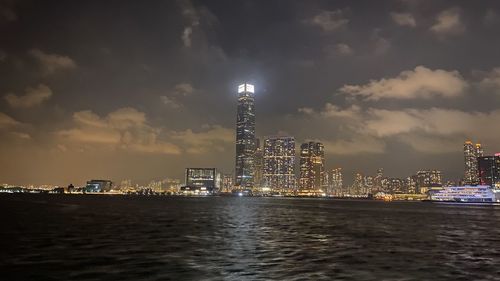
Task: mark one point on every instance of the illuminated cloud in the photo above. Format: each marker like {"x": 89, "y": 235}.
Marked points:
{"x": 329, "y": 20}
{"x": 356, "y": 145}
{"x": 421, "y": 82}
{"x": 32, "y": 97}
{"x": 404, "y": 19}
{"x": 343, "y": 49}
{"x": 170, "y": 102}
{"x": 214, "y": 137}
{"x": 183, "y": 89}
{"x": 7, "y": 122}
{"x": 125, "y": 128}
{"x": 179, "y": 91}
{"x": 52, "y": 62}
{"x": 191, "y": 14}
{"x": 492, "y": 80}
{"x": 186, "y": 36}
{"x": 448, "y": 23}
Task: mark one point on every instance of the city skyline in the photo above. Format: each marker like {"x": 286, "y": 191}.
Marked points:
{"x": 400, "y": 87}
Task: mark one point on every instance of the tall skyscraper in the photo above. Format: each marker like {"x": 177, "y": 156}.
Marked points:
{"x": 471, "y": 153}
{"x": 245, "y": 137}
{"x": 312, "y": 168}
{"x": 279, "y": 164}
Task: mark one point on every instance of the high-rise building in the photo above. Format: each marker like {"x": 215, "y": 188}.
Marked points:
{"x": 377, "y": 180}
{"x": 279, "y": 164}
{"x": 258, "y": 164}
{"x": 471, "y": 153}
{"x": 396, "y": 186}
{"x": 411, "y": 184}
{"x": 245, "y": 137}
{"x": 489, "y": 170}
{"x": 358, "y": 184}
{"x": 428, "y": 179}
{"x": 335, "y": 182}
{"x": 312, "y": 168}
{"x": 368, "y": 187}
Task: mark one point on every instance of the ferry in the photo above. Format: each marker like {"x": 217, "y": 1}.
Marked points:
{"x": 478, "y": 194}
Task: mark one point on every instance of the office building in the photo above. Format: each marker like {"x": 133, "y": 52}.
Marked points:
{"x": 227, "y": 183}
{"x": 489, "y": 170}
{"x": 471, "y": 153}
{"x": 98, "y": 186}
{"x": 258, "y": 164}
{"x": 312, "y": 169}
{"x": 428, "y": 179}
{"x": 279, "y": 164}
{"x": 245, "y": 137}
{"x": 335, "y": 182}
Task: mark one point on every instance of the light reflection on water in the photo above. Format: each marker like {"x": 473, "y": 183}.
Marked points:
{"x": 55, "y": 237}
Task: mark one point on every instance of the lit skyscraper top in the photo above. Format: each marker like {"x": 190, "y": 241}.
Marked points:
{"x": 245, "y": 136}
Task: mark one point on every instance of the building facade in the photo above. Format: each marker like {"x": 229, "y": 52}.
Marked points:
{"x": 335, "y": 183}
{"x": 489, "y": 170}
{"x": 227, "y": 183}
{"x": 279, "y": 164}
{"x": 471, "y": 153}
{"x": 98, "y": 186}
{"x": 202, "y": 179}
{"x": 258, "y": 164}
{"x": 245, "y": 137}
{"x": 428, "y": 179}
{"x": 312, "y": 169}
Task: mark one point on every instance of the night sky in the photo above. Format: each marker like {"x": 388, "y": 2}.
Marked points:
{"x": 143, "y": 89}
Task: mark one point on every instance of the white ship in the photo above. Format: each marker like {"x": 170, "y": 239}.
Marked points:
{"x": 466, "y": 194}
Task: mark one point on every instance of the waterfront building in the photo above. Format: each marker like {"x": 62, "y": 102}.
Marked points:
{"x": 378, "y": 180}
{"x": 203, "y": 180}
{"x": 471, "y": 153}
{"x": 368, "y": 185}
{"x": 258, "y": 164}
{"x": 428, "y": 179}
{"x": 279, "y": 164}
{"x": 358, "y": 185}
{"x": 98, "y": 186}
{"x": 245, "y": 137}
{"x": 335, "y": 182}
{"x": 227, "y": 183}
{"x": 410, "y": 185}
{"x": 312, "y": 169}
{"x": 396, "y": 186}
{"x": 489, "y": 170}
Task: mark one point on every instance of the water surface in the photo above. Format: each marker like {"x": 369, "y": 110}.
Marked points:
{"x": 72, "y": 237}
